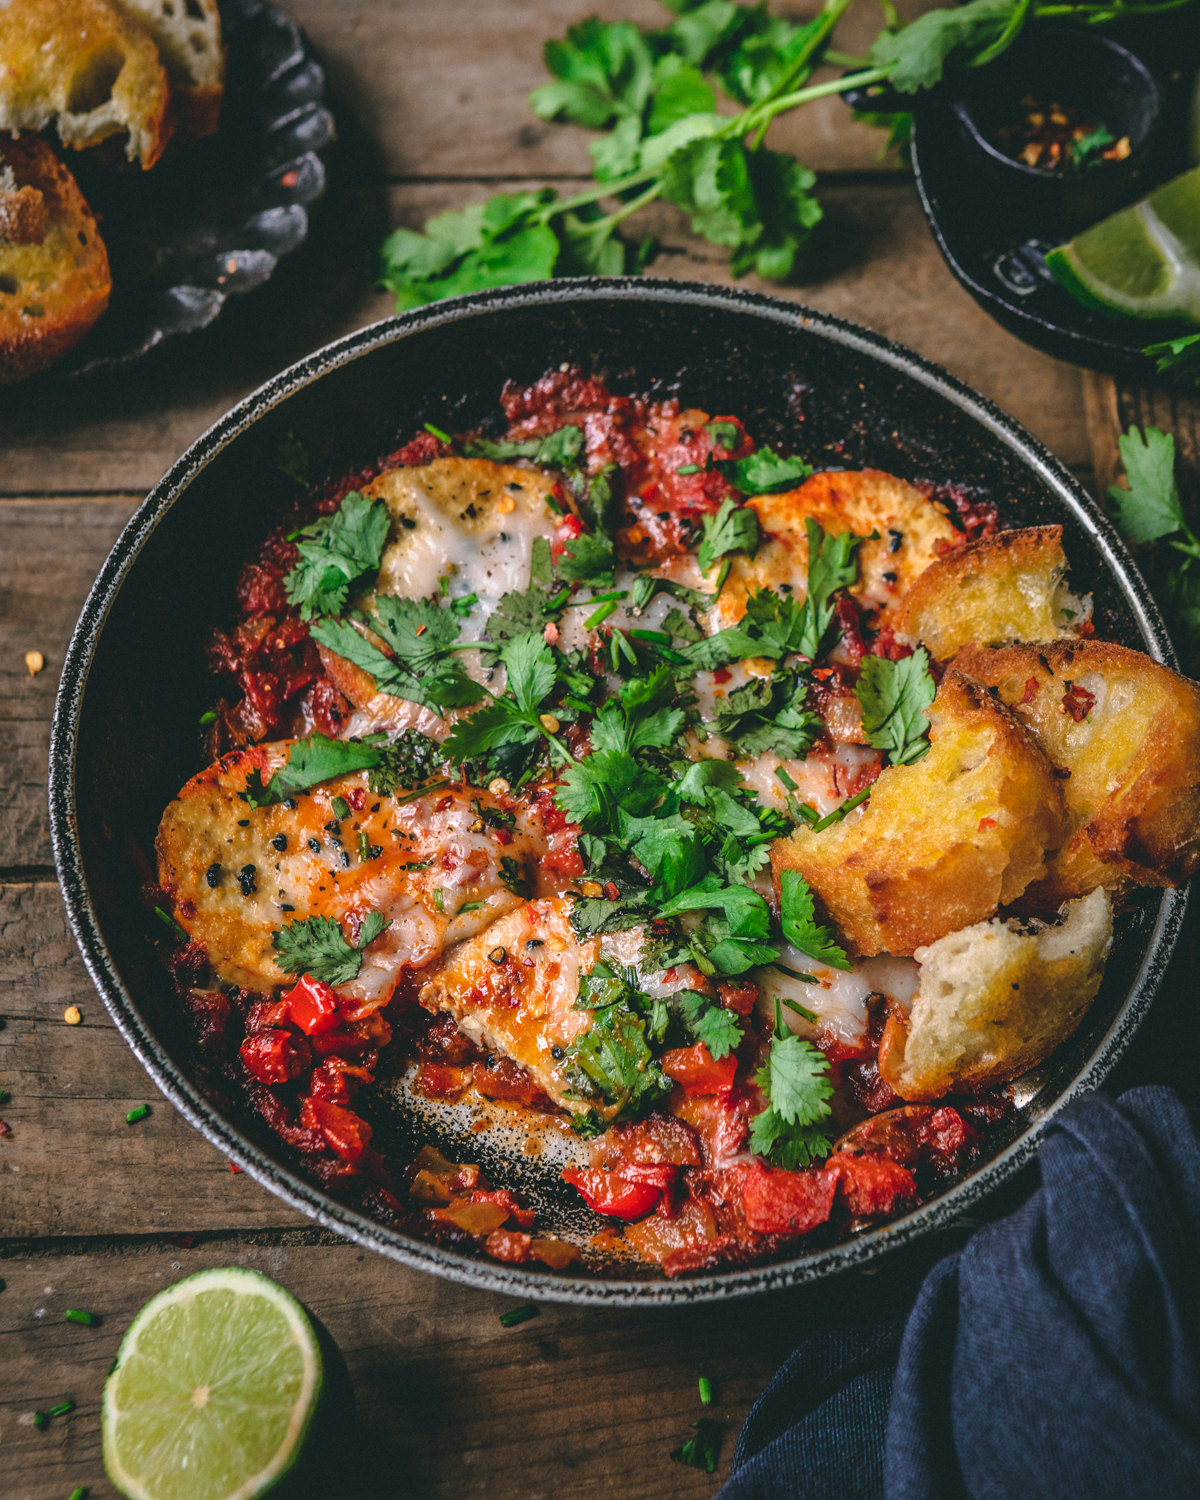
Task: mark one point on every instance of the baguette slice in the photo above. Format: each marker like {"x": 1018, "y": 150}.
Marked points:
{"x": 943, "y": 842}
{"x": 995, "y": 1000}
{"x": 51, "y": 290}
{"x": 1002, "y": 588}
{"x": 1127, "y": 732}
{"x": 87, "y": 66}
{"x": 188, "y": 35}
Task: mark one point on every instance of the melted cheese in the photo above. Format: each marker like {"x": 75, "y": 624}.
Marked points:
{"x": 437, "y": 875}
{"x": 839, "y": 998}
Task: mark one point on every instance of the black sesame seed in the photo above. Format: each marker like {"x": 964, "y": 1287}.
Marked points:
{"x": 374, "y": 851}
{"x": 664, "y": 515}
{"x": 315, "y": 845}
{"x": 497, "y": 956}
{"x": 536, "y": 943}
{"x": 246, "y": 879}
{"x": 333, "y": 826}
{"x": 375, "y": 807}
{"x": 408, "y": 523}
{"x": 290, "y": 803}
{"x": 889, "y": 577}
{"x": 556, "y": 1053}
{"x": 345, "y": 860}
{"x": 243, "y": 822}
{"x": 283, "y": 906}
{"x": 213, "y": 876}
{"x": 897, "y": 539}
{"x": 279, "y": 842}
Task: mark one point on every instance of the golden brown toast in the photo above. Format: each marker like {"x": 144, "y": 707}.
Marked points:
{"x": 995, "y": 1000}
{"x": 1002, "y": 588}
{"x": 942, "y": 842}
{"x": 1127, "y": 732}
{"x": 54, "y": 288}
{"x": 90, "y": 68}
{"x": 903, "y": 533}
{"x": 188, "y": 36}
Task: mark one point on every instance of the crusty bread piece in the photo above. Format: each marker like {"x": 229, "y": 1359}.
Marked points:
{"x": 996, "y": 999}
{"x": 87, "y": 66}
{"x": 910, "y": 531}
{"x": 22, "y": 211}
{"x": 1002, "y": 588}
{"x": 52, "y": 289}
{"x": 943, "y": 842}
{"x": 1133, "y": 792}
{"x": 188, "y": 35}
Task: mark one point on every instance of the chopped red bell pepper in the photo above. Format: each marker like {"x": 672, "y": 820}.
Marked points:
{"x": 788, "y": 1202}
{"x": 614, "y": 1193}
{"x": 502, "y": 1198}
{"x": 275, "y": 1056}
{"x": 313, "y": 1006}
{"x": 872, "y": 1185}
{"x": 695, "y": 1069}
{"x": 346, "y": 1134}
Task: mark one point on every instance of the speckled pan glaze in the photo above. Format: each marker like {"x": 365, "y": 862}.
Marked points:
{"x": 133, "y": 686}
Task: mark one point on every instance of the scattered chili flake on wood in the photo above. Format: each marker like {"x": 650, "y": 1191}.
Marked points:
{"x": 184, "y": 1241}
{"x": 72, "y": 1015}
{"x": 137, "y": 1114}
{"x": 233, "y": 1167}
{"x": 5, "y": 1128}
{"x": 517, "y": 1315}
{"x": 35, "y": 661}
{"x": 77, "y": 1315}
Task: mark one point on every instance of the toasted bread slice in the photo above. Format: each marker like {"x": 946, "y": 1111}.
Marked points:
{"x": 188, "y": 34}
{"x": 943, "y": 842}
{"x": 52, "y": 288}
{"x": 995, "y": 1000}
{"x": 903, "y": 533}
{"x": 1127, "y": 732}
{"x": 87, "y": 66}
{"x": 1002, "y": 588}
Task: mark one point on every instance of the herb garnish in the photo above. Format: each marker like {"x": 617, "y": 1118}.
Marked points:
{"x": 336, "y": 552}
{"x": 893, "y": 696}
{"x": 311, "y": 761}
{"x": 796, "y": 1081}
{"x": 316, "y": 946}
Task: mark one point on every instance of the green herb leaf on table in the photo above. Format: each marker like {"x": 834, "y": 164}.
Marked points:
{"x": 893, "y": 696}
{"x": 316, "y": 946}
{"x": 703, "y": 1450}
{"x": 1150, "y": 507}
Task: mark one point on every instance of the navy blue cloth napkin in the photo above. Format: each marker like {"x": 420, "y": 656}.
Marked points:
{"x": 1056, "y": 1356}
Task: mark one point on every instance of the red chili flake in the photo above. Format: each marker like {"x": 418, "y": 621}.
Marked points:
{"x": 1031, "y": 690}
{"x": 821, "y": 673}
{"x": 233, "y": 1167}
{"x": 183, "y": 1241}
{"x": 722, "y": 675}
{"x": 1061, "y": 772}
{"x": 289, "y": 179}
{"x": 986, "y": 823}
{"x": 421, "y": 629}
{"x": 5, "y": 1128}
{"x": 612, "y": 892}
{"x": 1078, "y": 702}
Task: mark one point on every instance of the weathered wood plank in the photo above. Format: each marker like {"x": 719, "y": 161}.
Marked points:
{"x": 71, "y": 1164}
{"x": 578, "y": 1403}
{"x": 50, "y": 553}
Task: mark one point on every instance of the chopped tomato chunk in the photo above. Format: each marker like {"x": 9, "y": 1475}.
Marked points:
{"x": 873, "y": 1185}
{"x": 502, "y": 1198}
{"x": 788, "y": 1202}
{"x": 346, "y": 1134}
{"x": 275, "y": 1056}
{"x": 312, "y": 1006}
{"x": 695, "y": 1069}
{"x": 614, "y": 1193}
{"x": 506, "y": 1244}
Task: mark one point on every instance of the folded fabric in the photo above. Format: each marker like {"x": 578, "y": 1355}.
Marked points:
{"x": 1056, "y": 1356}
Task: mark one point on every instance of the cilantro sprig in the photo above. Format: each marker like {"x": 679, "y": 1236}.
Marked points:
{"x": 311, "y": 761}
{"x": 797, "y": 1085}
{"x": 893, "y": 696}
{"x": 316, "y": 946}
{"x": 337, "y": 552}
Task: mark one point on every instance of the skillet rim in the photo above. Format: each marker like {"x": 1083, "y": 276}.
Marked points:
{"x": 307, "y": 1197}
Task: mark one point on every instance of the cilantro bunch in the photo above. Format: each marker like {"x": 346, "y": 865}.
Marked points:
{"x": 653, "y": 96}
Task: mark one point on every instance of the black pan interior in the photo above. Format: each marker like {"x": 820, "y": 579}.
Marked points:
{"x": 134, "y": 688}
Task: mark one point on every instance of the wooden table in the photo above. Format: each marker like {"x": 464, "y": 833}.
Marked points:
{"x": 430, "y": 101}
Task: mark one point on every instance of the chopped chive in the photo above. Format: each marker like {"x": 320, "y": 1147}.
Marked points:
{"x": 554, "y": 505}
{"x": 557, "y": 602}
{"x": 210, "y": 717}
{"x": 442, "y": 437}
{"x": 170, "y": 922}
{"x": 61, "y": 1409}
{"x": 421, "y": 791}
{"x": 341, "y": 808}
{"x": 839, "y": 813}
{"x": 801, "y": 1010}
{"x": 78, "y": 1493}
{"x": 517, "y": 1315}
{"x": 443, "y": 586}
{"x": 461, "y": 608}
{"x": 606, "y": 609}
{"x": 40, "y": 1421}
{"x": 689, "y": 469}
{"x": 809, "y": 814}
{"x": 472, "y": 906}
{"x": 802, "y": 977}
{"x": 438, "y": 899}
{"x": 657, "y": 637}
{"x": 781, "y": 773}
{"x": 137, "y": 1114}
{"x": 706, "y": 1390}
{"x": 77, "y": 1315}
{"x": 364, "y": 845}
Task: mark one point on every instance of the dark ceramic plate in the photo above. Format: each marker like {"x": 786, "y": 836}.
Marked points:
{"x": 212, "y": 221}
{"x": 134, "y": 685}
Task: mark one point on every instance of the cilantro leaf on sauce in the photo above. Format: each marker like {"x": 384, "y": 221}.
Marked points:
{"x": 336, "y": 554}
{"x": 710, "y": 1023}
{"x": 613, "y": 1061}
{"x": 310, "y": 761}
{"x": 893, "y": 696}
{"x": 734, "y": 528}
{"x": 763, "y": 472}
{"x": 799, "y": 923}
{"x": 316, "y": 946}
{"x": 436, "y": 686}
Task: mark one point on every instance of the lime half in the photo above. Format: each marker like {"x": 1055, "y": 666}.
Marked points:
{"x": 1143, "y": 261}
{"x": 213, "y": 1391}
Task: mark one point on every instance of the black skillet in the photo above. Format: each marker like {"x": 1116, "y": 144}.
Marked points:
{"x": 133, "y": 687}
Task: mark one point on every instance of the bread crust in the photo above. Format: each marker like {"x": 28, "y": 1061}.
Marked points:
{"x": 873, "y": 505}
{"x": 66, "y": 276}
{"x": 190, "y": 45}
{"x": 942, "y": 842}
{"x": 1133, "y": 789}
{"x": 1001, "y": 588}
{"x": 90, "y": 68}
{"x": 996, "y": 1000}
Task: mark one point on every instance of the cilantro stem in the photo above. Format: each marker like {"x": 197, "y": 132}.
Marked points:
{"x": 1001, "y": 44}
{"x": 816, "y": 91}
{"x": 801, "y": 1010}
{"x": 840, "y": 812}
{"x": 803, "y": 65}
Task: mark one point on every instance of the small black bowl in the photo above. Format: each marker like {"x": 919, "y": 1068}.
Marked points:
{"x": 1079, "y": 69}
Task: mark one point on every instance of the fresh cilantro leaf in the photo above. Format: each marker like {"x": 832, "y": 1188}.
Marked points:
{"x": 410, "y": 759}
{"x": 594, "y": 789}
{"x": 733, "y": 940}
{"x": 529, "y": 663}
{"x": 680, "y": 628}
{"x": 594, "y": 916}
{"x": 512, "y": 878}
{"x": 763, "y": 472}
{"x": 1150, "y": 508}
{"x": 292, "y": 460}
{"x": 831, "y": 566}
{"x": 1178, "y": 359}
{"x": 792, "y": 1147}
{"x": 419, "y": 631}
{"x": 502, "y": 451}
{"x": 348, "y": 548}
{"x": 893, "y": 696}
{"x": 734, "y": 528}
{"x": 612, "y": 1061}
{"x": 703, "y": 777}
{"x": 525, "y": 613}
{"x": 588, "y": 557}
{"x": 541, "y": 564}
{"x": 963, "y": 35}
{"x": 448, "y": 686}
{"x": 640, "y": 716}
{"x": 316, "y": 946}
{"x": 487, "y": 729}
{"x": 310, "y": 761}
{"x": 703, "y": 1450}
{"x": 796, "y": 1080}
{"x": 798, "y": 920}
{"x": 768, "y": 714}
{"x": 604, "y": 70}
{"x": 710, "y": 1023}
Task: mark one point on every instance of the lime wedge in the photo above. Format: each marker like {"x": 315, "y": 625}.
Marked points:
{"x": 1143, "y": 261}
{"x": 213, "y": 1392}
